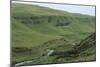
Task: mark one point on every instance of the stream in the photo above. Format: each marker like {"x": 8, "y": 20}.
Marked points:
{"x": 29, "y": 62}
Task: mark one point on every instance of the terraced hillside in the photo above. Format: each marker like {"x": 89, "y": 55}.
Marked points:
{"x": 36, "y": 29}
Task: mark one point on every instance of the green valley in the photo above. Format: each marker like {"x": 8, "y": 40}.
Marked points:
{"x": 36, "y": 29}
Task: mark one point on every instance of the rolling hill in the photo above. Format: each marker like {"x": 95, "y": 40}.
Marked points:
{"x": 36, "y": 29}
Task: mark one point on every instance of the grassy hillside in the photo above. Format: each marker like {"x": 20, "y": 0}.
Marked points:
{"x": 36, "y": 29}
{"x": 84, "y": 51}
{"x": 22, "y": 36}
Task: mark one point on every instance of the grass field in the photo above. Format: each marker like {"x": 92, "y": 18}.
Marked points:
{"x": 35, "y": 29}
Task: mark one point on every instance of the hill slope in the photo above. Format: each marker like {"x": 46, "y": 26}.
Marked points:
{"x": 84, "y": 51}
{"x": 36, "y": 29}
